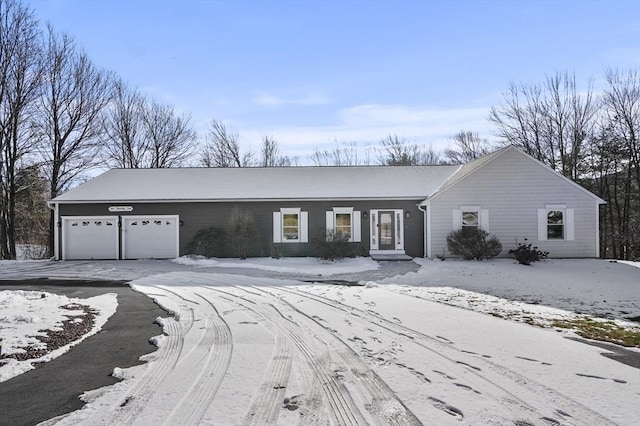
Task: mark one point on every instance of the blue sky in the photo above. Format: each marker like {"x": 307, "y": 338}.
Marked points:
{"x": 310, "y": 73}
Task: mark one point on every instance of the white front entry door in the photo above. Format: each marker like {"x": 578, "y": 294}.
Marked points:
{"x": 387, "y": 231}
{"x": 149, "y": 237}
{"x": 86, "y": 238}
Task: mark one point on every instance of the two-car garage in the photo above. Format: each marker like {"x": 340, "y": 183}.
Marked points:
{"x": 119, "y": 237}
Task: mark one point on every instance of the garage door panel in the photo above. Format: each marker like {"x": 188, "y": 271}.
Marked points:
{"x": 89, "y": 237}
{"x": 146, "y": 237}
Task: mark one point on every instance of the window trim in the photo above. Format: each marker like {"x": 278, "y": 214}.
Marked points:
{"x": 568, "y": 222}
{"x": 483, "y": 217}
{"x": 278, "y": 225}
{"x": 355, "y": 220}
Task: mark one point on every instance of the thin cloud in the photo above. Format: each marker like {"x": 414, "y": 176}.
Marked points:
{"x": 368, "y": 124}
{"x": 268, "y": 99}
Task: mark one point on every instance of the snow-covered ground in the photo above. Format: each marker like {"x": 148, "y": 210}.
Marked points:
{"x": 26, "y": 314}
{"x": 256, "y": 350}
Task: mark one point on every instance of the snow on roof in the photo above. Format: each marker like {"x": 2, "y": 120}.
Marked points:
{"x": 276, "y": 183}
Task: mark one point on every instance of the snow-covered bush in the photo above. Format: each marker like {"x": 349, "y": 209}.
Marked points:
{"x": 242, "y": 232}
{"x": 473, "y": 243}
{"x": 332, "y": 246}
{"x": 525, "y": 253}
{"x": 208, "y": 242}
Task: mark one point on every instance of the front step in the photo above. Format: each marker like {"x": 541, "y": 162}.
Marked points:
{"x": 392, "y": 257}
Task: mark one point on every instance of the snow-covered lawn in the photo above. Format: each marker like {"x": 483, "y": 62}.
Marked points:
{"x": 258, "y": 350}
{"x": 307, "y": 265}
{"x": 26, "y": 315}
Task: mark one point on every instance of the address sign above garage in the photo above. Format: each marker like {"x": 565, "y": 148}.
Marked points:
{"x": 120, "y": 208}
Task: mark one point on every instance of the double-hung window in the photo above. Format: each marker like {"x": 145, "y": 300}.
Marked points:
{"x": 290, "y": 226}
{"x": 343, "y": 224}
{"x": 555, "y": 225}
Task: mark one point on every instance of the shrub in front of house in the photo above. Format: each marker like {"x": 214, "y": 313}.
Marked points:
{"x": 525, "y": 253}
{"x": 242, "y": 232}
{"x": 332, "y": 246}
{"x": 208, "y": 242}
{"x": 473, "y": 243}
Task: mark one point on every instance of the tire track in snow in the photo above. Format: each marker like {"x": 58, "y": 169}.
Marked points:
{"x": 210, "y": 358}
{"x": 126, "y": 409}
{"x": 342, "y": 409}
{"x": 266, "y": 403}
{"x": 359, "y": 381}
{"x": 528, "y": 389}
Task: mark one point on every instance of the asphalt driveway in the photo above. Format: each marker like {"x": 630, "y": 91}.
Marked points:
{"x": 53, "y": 389}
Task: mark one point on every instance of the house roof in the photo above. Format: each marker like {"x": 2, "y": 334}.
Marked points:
{"x": 468, "y": 169}
{"x": 276, "y": 183}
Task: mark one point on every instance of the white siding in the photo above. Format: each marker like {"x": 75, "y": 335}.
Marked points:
{"x": 512, "y": 188}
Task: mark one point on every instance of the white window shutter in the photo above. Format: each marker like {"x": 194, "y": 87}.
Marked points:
{"x": 456, "y": 219}
{"x": 484, "y": 220}
{"x": 329, "y": 224}
{"x": 356, "y": 235}
{"x": 542, "y": 225}
{"x": 277, "y": 227}
{"x": 304, "y": 227}
{"x": 569, "y": 225}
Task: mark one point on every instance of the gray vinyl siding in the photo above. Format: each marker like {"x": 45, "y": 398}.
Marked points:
{"x": 197, "y": 216}
{"x": 512, "y": 188}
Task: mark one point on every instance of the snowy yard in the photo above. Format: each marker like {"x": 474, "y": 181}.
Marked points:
{"x": 241, "y": 349}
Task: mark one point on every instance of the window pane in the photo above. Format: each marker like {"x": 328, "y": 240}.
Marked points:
{"x": 343, "y": 224}
{"x": 555, "y": 225}
{"x": 386, "y": 228}
{"x": 290, "y": 226}
{"x": 469, "y": 218}
{"x": 555, "y": 232}
{"x": 554, "y": 217}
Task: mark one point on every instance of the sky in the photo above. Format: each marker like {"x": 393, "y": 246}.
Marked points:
{"x": 315, "y": 73}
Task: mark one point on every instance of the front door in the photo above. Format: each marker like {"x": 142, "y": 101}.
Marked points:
{"x": 386, "y": 230}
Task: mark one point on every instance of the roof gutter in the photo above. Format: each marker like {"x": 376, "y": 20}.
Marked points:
{"x": 424, "y": 228}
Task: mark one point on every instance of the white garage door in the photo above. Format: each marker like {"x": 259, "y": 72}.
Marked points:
{"x": 146, "y": 237}
{"x": 89, "y": 237}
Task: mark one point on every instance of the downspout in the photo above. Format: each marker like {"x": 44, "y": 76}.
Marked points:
{"x": 56, "y": 217}
{"x": 424, "y": 233}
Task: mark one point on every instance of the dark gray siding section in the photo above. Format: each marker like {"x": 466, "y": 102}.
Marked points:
{"x": 197, "y": 216}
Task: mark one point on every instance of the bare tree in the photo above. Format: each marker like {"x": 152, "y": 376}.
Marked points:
{"x": 69, "y": 129}
{"x": 270, "y": 154}
{"x": 222, "y": 148}
{"x": 394, "y": 151}
{"x": 551, "y": 122}
{"x": 20, "y": 76}
{"x": 468, "y": 147}
{"x": 342, "y": 154}
{"x": 169, "y": 137}
{"x": 125, "y": 143}
{"x": 615, "y": 165}
{"x": 621, "y": 104}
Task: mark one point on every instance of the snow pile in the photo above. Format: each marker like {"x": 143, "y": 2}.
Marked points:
{"x": 292, "y": 265}
{"x": 24, "y": 315}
